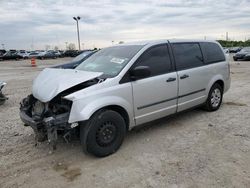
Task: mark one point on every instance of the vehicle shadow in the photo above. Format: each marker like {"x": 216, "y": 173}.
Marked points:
{"x": 168, "y": 121}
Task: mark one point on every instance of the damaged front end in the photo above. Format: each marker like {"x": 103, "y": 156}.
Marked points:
{"x": 46, "y": 119}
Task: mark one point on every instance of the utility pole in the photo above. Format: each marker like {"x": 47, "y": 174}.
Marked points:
{"x": 66, "y": 44}
{"x": 77, "y": 19}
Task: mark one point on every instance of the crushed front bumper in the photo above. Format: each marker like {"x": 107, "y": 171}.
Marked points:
{"x": 45, "y": 126}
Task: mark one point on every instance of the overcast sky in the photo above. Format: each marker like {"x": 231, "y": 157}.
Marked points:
{"x": 49, "y": 22}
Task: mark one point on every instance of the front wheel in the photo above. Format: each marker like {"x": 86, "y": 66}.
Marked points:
{"x": 103, "y": 134}
{"x": 214, "y": 99}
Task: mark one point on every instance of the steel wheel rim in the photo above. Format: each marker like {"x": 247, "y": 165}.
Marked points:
{"x": 216, "y": 98}
{"x": 106, "y": 134}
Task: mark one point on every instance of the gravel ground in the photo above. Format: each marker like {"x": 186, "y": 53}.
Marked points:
{"x": 191, "y": 149}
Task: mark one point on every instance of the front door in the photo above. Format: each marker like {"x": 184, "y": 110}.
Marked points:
{"x": 155, "y": 96}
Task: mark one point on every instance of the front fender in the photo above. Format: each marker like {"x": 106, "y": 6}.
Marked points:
{"x": 82, "y": 110}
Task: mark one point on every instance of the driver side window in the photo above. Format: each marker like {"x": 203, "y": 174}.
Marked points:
{"x": 157, "y": 59}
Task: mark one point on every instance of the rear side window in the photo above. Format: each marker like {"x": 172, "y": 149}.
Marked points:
{"x": 187, "y": 55}
{"x": 212, "y": 52}
{"x": 157, "y": 59}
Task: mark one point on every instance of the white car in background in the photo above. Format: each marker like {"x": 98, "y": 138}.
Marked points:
{"x": 23, "y": 53}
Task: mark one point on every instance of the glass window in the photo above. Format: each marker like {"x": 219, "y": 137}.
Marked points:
{"x": 157, "y": 59}
{"x": 81, "y": 56}
{"x": 212, "y": 52}
{"x": 187, "y": 55}
{"x": 110, "y": 61}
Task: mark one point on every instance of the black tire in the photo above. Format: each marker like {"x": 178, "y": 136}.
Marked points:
{"x": 235, "y": 59}
{"x": 103, "y": 134}
{"x": 2, "y": 98}
{"x": 210, "y": 105}
{"x": 2, "y": 101}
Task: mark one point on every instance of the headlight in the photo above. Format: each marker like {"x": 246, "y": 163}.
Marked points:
{"x": 38, "y": 108}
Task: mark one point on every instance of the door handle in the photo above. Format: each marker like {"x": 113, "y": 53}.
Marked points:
{"x": 184, "y": 76}
{"x": 170, "y": 79}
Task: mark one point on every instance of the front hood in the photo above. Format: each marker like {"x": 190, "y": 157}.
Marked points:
{"x": 50, "y": 82}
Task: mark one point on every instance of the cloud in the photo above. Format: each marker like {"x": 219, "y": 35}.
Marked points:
{"x": 42, "y": 22}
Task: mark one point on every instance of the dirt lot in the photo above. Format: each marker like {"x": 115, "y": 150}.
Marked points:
{"x": 193, "y": 149}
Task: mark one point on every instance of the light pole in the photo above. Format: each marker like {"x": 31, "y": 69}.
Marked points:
{"x": 66, "y": 44}
{"x": 77, "y": 19}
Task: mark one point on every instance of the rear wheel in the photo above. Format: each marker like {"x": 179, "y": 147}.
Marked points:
{"x": 103, "y": 134}
{"x": 214, "y": 99}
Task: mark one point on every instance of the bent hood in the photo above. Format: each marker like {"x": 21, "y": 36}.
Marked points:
{"x": 50, "y": 82}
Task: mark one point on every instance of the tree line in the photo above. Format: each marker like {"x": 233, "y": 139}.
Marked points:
{"x": 226, "y": 43}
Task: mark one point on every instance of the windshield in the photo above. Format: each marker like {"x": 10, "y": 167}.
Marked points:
{"x": 110, "y": 60}
{"x": 81, "y": 56}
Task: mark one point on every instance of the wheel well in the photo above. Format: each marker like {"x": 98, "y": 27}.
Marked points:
{"x": 121, "y": 111}
{"x": 221, "y": 83}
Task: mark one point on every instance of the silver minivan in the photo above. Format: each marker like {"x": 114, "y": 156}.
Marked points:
{"x": 123, "y": 86}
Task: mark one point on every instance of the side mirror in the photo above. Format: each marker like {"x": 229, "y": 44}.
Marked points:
{"x": 140, "y": 72}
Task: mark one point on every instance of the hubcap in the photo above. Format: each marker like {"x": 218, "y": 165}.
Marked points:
{"x": 106, "y": 134}
{"x": 216, "y": 98}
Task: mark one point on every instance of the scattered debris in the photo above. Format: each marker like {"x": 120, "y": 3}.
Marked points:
{"x": 60, "y": 166}
{"x": 157, "y": 173}
{"x": 70, "y": 175}
{"x": 241, "y": 135}
{"x": 17, "y": 134}
{"x": 235, "y": 103}
{"x": 210, "y": 125}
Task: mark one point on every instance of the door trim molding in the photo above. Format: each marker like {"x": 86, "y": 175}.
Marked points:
{"x": 155, "y": 103}
{"x": 170, "y": 99}
{"x": 197, "y": 91}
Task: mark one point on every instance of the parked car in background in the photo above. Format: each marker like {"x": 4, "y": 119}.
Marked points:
{"x": 57, "y": 53}
{"x": 47, "y": 55}
{"x": 243, "y": 54}
{"x": 124, "y": 86}
{"x": 2, "y": 51}
{"x": 23, "y": 53}
{"x": 76, "y": 61}
{"x": 9, "y": 55}
{"x": 70, "y": 53}
{"x": 234, "y": 49}
{"x": 34, "y": 54}
{"x": 226, "y": 50}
